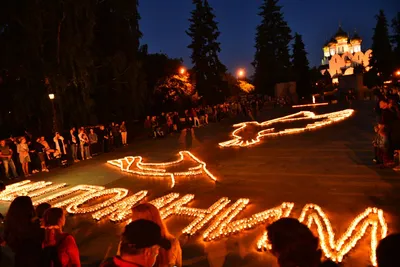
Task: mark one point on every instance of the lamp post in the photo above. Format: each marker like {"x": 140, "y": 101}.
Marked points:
{"x": 241, "y": 73}
{"x": 52, "y": 97}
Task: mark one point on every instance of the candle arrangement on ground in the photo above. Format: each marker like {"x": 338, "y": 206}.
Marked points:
{"x": 216, "y": 222}
{"x": 321, "y": 120}
{"x": 135, "y": 165}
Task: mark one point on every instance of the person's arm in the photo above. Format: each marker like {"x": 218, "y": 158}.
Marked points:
{"x": 72, "y": 251}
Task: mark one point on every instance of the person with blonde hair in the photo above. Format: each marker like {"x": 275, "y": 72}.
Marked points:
{"x": 166, "y": 258}
{"x": 59, "y": 248}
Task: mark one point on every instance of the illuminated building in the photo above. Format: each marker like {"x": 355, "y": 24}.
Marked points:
{"x": 342, "y": 54}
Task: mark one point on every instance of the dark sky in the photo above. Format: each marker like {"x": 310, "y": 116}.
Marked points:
{"x": 164, "y": 23}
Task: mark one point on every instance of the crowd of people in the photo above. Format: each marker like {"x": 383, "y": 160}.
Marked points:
{"x": 27, "y": 155}
{"x": 387, "y": 128}
{"x": 170, "y": 122}
{"x": 37, "y": 239}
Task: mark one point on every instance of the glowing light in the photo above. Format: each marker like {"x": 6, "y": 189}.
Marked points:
{"x": 325, "y": 120}
{"x": 182, "y": 70}
{"x": 51, "y": 96}
{"x": 88, "y": 189}
{"x": 311, "y": 105}
{"x": 337, "y": 250}
{"x": 313, "y": 97}
{"x": 120, "y": 207}
{"x": 119, "y": 193}
{"x": 135, "y": 165}
{"x": 218, "y": 219}
{"x": 241, "y": 73}
{"x": 22, "y": 190}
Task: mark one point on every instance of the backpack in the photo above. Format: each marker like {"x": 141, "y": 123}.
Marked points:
{"x": 50, "y": 255}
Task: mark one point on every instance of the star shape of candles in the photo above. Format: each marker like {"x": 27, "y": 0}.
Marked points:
{"x": 135, "y": 165}
{"x": 320, "y": 121}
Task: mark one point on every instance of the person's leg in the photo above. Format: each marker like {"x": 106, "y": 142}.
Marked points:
{"x": 5, "y": 163}
{"x": 13, "y": 168}
{"x": 83, "y": 152}
{"x": 87, "y": 152}
{"x": 124, "y": 138}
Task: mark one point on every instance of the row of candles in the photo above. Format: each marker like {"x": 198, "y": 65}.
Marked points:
{"x": 322, "y": 120}
{"x": 217, "y": 221}
{"x": 135, "y": 165}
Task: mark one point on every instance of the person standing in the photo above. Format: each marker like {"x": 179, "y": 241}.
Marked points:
{"x": 60, "y": 146}
{"x": 103, "y": 139}
{"x": 24, "y": 158}
{"x": 84, "y": 141}
{"x": 93, "y": 139}
{"x": 124, "y": 133}
{"x": 73, "y": 142}
{"x": 6, "y": 157}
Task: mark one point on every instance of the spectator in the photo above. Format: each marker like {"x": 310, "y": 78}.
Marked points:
{"x": 103, "y": 139}
{"x": 39, "y": 150}
{"x": 124, "y": 133}
{"x": 140, "y": 245}
{"x": 40, "y": 210}
{"x": 47, "y": 149}
{"x": 170, "y": 257}
{"x": 60, "y": 146}
{"x": 59, "y": 248}
{"x": 22, "y": 235}
{"x": 24, "y": 158}
{"x": 293, "y": 244}
{"x": 387, "y": 252}
{"x": 84, "y": 142}
{"x": 35, "y": 161}
{"x": 73, "y": 142}
{"x": 93, "y": 140}
{"x": 6, "y": 157}
{"x": 382, "y": 144}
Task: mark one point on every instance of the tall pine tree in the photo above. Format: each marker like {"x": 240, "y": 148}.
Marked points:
{"x": 208, "y": 69}
{"x": 301, "y": 67}
{"x": 396, "y": 40}
{"x": 271, "y": 60}
{"x": 381, "y": 60}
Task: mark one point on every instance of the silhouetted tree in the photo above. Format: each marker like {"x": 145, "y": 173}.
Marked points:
{"x": 272, "y": 59}
{"x": 301, "y": 67}
{"x": 207, "y": 68}
{"x": 396, "y": 40}
{"x": 381, "y": 60}
{"x": 121, "y": 86}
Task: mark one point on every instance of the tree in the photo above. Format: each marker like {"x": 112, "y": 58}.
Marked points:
{"x": 271, "y": 60}
{"x": 121, "y": 87}
{"x": 396, "y": 40}
{"x": 381, "y": 59}
{"x": 301, "y": 67}
{"x": 208, "y": 69}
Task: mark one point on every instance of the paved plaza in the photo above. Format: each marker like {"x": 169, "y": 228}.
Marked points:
{"x": 331, "y": 167}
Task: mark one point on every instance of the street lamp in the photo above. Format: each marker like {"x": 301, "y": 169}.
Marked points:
{"x": 51, "y": 97}
{"x": 241, "y": 73}
{"x": 398, "y": 73}
{"x": 182, "y": 70}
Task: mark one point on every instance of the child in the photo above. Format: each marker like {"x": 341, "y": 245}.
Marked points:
{"x": 382, "y": 143}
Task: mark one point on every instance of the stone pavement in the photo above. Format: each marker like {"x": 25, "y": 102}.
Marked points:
{"x": 331, "y": 167}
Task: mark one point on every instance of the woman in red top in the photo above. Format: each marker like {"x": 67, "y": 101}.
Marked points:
{"x": 59, "y": 248}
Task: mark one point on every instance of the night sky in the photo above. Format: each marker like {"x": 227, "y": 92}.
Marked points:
{"x": 164, "y": 23}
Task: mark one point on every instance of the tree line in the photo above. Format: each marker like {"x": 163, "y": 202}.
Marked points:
{"x": 88, "y": 55}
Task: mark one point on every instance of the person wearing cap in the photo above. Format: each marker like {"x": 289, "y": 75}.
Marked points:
{"x": 140, "y": 244}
